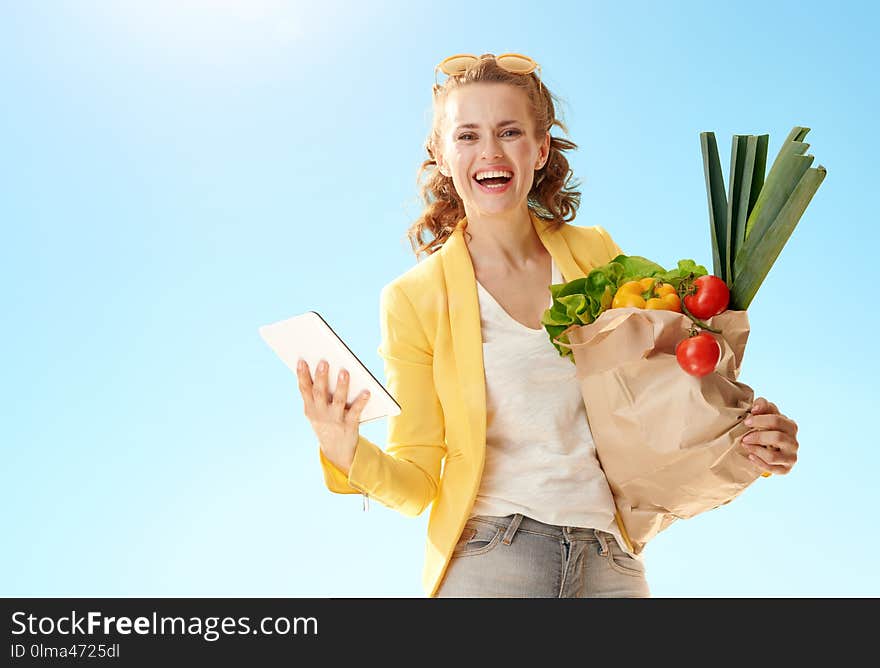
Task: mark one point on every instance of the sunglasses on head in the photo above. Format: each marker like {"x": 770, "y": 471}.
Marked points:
{"x": 462, "y": 62}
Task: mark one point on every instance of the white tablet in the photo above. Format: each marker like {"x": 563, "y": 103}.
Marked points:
{"x": 308, "y": 336}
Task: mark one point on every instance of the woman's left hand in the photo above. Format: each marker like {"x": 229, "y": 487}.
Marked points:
{"x": 772, "y": 443}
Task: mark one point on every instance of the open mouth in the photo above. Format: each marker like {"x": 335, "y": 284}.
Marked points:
{"x": 494, "y": 184}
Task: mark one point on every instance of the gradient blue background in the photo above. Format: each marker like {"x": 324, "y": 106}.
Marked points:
{"x": 175, "y": 174}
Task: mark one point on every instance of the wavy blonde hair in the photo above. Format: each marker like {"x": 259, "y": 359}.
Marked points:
{"x": 550, "y": 197}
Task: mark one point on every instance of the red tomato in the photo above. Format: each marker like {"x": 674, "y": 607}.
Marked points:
{"x": 698, "y": 355}
{"x": 711, "y": 297}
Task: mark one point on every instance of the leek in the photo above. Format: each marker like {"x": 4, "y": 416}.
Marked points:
{"x": 717, "y": 203}
{"x": 750, "y": 225}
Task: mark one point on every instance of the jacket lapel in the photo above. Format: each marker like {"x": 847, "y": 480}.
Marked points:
{"x": 464, "y": 323}
{"x": 464, "y": 313}
{"x": 557, "y": 246}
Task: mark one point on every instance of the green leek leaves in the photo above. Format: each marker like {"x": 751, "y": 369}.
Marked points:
{"x": 752, "y": 221}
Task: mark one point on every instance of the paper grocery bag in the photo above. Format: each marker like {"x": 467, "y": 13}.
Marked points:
{"x": 668, "y": 442}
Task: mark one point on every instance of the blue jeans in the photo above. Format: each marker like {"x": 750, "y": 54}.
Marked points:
{"x": 520, "y": 557}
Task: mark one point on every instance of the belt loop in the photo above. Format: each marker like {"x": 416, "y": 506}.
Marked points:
{"x": 511, "y": 528}
{"x": 603, "y": 542}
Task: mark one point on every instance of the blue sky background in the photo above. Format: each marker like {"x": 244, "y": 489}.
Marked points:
{"x": 175, "y": 174}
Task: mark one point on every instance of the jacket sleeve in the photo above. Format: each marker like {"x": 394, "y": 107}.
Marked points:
{"x": 612, "y": 248}
{"x": 406, "y": 476}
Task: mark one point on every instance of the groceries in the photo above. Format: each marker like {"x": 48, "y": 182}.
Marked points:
{"x": 658, "y": 351}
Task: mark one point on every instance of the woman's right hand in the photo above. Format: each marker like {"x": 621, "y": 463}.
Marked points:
{"x": 334, "y": 423}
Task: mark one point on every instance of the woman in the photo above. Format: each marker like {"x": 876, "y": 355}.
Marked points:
{"x": 493, "y": 433}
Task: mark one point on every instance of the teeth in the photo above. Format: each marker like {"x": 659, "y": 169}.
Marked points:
{"x": 486, "y": 175}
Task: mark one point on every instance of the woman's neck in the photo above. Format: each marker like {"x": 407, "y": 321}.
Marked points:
{"x": 504, "y": 245}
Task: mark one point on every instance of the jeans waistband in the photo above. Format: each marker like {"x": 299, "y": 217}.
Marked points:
{"x": 515, "y": 522}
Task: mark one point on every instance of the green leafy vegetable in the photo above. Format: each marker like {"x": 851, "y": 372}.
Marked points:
{"x": 581, "y": 301}
{"x": 750, "y": 225}
{"x": 717, "y": 204}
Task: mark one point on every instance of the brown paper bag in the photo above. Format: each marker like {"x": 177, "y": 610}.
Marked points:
{"x": 669, "y": 442}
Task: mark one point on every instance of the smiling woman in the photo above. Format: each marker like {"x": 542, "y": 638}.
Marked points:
{"x": 540, "y": 175}
{"x": 492, "y": 434}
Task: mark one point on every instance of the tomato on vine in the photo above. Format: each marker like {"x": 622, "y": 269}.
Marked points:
{"x": 698, "y": 354}
{"x": 711, "y": 297}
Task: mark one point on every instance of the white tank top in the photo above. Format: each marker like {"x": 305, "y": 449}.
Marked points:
{"x": 540, "y": 457}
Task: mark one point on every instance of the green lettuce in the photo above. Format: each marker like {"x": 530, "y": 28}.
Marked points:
{"x": 581, "y": 301}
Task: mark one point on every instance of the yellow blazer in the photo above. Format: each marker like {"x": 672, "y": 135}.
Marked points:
{"x": 433, "y": 351}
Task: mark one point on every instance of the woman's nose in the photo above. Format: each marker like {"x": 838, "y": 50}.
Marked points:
{"x": 491, "y": 148}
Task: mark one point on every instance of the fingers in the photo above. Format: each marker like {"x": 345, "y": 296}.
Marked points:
{"x": 340, "y": 396}
{"x": 771, "y": 437}
{"x": 759, "y": 460}
{"x": 313, "y": 389}
{"x": 772, "y": 421}
{"x": 353, "y": 414}
{"x": 761, "y": 405}
{"x": 315, "y": 393}
{"x": 772, "y": 444}
{"x": 304, "y": 378}
{"x": 772, "y": 454}
{"x": 319, "y": 389}
{"x": 773, "y": 451}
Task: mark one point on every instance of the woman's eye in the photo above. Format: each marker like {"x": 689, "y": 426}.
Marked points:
{"x": 468, "y": 134}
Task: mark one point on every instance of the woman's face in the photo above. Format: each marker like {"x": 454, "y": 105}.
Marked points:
{"x": 492, "y": 143}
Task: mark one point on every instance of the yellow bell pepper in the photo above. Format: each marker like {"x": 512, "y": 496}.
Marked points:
{"x": 647, "y": 293}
